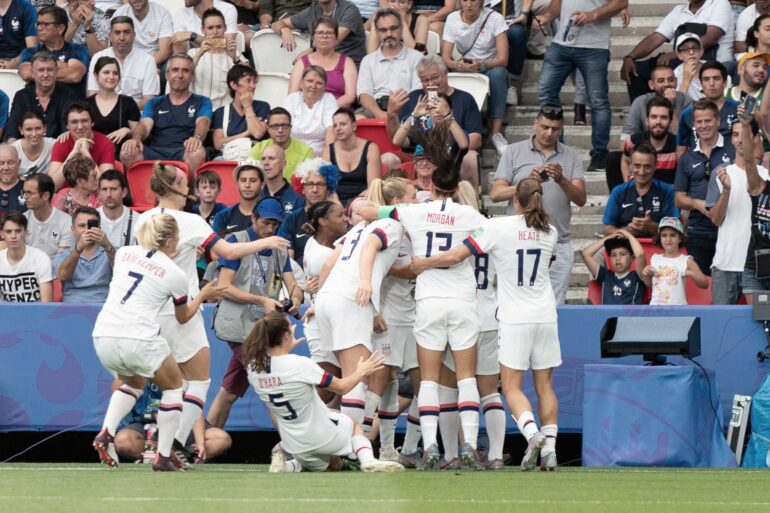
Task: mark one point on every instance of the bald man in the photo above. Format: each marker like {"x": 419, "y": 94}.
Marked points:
{"x": 274, "y": 162}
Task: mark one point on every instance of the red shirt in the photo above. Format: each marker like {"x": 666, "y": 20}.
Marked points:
{"x": 103, "y": 151}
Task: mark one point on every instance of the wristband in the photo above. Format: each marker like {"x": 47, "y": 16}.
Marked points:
{"x": 198, "y": 136}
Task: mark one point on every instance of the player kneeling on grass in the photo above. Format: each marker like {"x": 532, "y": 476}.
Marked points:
{"x": 620, "y": 286}
{"x": 127, "y": 339}
{"x": 314, "y": 435}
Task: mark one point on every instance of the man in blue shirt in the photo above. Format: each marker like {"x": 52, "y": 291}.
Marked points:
{"x": 173, "y": 125}
{"x": 18, "y": 30}
{"x": 639, "y": 204}
{"x": 274, "y": 161}
{"x": 249, "y": 177}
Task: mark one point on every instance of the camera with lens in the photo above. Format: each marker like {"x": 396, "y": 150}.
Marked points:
{"x": 286, "y": 305}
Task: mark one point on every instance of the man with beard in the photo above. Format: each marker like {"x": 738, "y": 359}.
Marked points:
{"x": 249, "y": 178}
{"x": 752, "y": 67}
{"x": 117, "y": 220}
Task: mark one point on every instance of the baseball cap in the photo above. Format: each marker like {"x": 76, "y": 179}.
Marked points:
{"x": 686, "y": 37}
{"x": 617, "y": 242}
{"x": 671, "y": 222}
{"x": 248, "y": 164}
{"x": 269, "y": 208}
{"x": 753, "y": 55}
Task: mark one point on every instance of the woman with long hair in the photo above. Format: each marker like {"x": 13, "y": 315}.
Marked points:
{"x": 34, "y": 148}
{"x": 314, "y": 435}
{"x": 145, "y": 279}
{"x": 521, "y": 247}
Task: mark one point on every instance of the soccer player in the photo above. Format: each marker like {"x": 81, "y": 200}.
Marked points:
{"x": 144, "y": 279}
{"x": 189, "y": 343}
{"x": 314, "y": 435}
{"x": 521, "y": 247}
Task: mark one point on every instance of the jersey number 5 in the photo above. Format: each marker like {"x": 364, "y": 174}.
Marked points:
{"x": 278, "y": 401}
{"x": 137, "y": 280}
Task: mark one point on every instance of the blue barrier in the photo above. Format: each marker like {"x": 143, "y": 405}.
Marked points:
{"x": 50, "y": 378}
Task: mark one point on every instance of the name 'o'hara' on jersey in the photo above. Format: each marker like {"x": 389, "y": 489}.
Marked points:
{"x": 437, "y": 227}
{"x": 288, "y": 388}
{"x": 486, "y": 297}
{"x": 194, "y": 231}
{"x": 142, "y": 283}
{"x": 521, "y": 256}
{"x": 344, "y": 277}
{"x": 397, "y": 294}
{"x": 312, "y": 262}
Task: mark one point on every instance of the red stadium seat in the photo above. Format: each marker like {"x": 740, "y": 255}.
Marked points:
{"x": 696, "y": 295}
{"x": 375, "y": 130}
{"x": 138, "y": 177}
{"x": 58, "y": 295}
{"x": 224, "y": 168}
{"x": 119, "y": 166}
{"x": 594, "y": 293}
{"x": 408, "y": 167}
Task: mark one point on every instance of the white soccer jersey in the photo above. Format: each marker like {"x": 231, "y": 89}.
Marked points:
{"x": 313, "y": 261}
{"x": 344, "y": 277}
{"x": 194, "y": 231}
{"x": 437, "y": 227}
{"x": 521, "y": 256}
{"x": 486, "y": 297}
{"x": 288, "y": 388}
{"x": 142, "y": 283}
{"x": 397, "y": 294}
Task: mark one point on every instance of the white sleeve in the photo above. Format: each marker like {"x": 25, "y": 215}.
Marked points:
{"x": 450, "y": 26}
{"x": 92, "y": 84}
{"x": 329, "y": 108}
{"x": 389, "y": 233}
{"x": 743, "y": 25}
{"x": 482, "y": 240}
{"x": 499, "y": 24}
{"x": 365, "y": 84}
{"x": 199, "y": 231}
{"x": 166, "y": 24}
{"x": 311, "y": 373}
{"x": 668, "y": 26}
{"x": 151, "y": 82}
{"x": 43, "y": 267}
{"x": 231, "y": 19}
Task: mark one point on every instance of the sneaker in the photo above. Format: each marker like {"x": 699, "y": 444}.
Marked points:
{"x": 533, "y": 451}
{"x": 512, "y": 98}
{"x": 410, "y": 460}
{"x": 276, "y": 462}
{"x": 499, "y": 142}
{"x": 429, "y": 458}
{"x": 453, "y": 464}
{"x": 548, "y": 462}
{"x": 494, "y": 465}
{"x": 165, "y": 463}
{"x": 389, "y": 454}
{"x": 471, "y": 458}
{"x": 181, "y": 455}
{"x": 381, "y": 466}
{"x": 104, "y": 443}
{"x": 598, "y": 162}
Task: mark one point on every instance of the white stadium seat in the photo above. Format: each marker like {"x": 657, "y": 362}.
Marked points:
{"x": 172, "y": 6}
{"x": 433, "y": 46}
{"x": 10, "y": 82}
{"x": 272, "y": 88}
{"x": 269, "y": 55}
{"x": 476, "y": 84}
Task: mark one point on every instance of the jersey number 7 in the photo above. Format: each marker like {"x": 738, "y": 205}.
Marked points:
{"x": 138, "y": 279}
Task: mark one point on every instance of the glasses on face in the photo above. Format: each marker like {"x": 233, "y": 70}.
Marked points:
{"x": 689, "y": 49}
{"x": 392, "y": 28}
{"x": 433, "y": 79}
{"x": 314, "y": 185}
{"x": 279, "y": 126}
{"x": 324, "y": 33}
{"x": 45, "y": 24}
{"x": 27, "y": 194}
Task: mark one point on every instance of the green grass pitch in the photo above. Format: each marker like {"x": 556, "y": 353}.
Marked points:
{"x": 63, "y": 488}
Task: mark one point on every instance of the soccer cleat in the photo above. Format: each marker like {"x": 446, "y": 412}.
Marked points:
{"x": 494, "y": 465}
{"x": 429, "y": 458}
{"x": 548, "y": 462}
{"x": 410, "y": 460}
{"x": 165, "y": 463}
{"x": 389, "y": 454}
{"x": 453, "y": 464}
{"x": 381, "y": 466}
{"x": 276, "y": 462}
{"x": 533, "y": 451}
{"x": 180, "y": 455}
{"x": 470, "y": 458}
{"x": 104, "y": 443}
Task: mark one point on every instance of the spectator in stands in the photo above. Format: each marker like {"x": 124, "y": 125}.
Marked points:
{"x": 690, "y": 52}
{"x": 80, "y": 140}
{"x": 479, "y": 35}
{"x": 19, "y": 31}
{"x": 153, "y": 27}
{"x": 4, "y": 108}
{"x": 639, "y": 204}
{"x": 85, "y": 269}
{"x": 351, "y": 39}
{"x": 341, "y": 73}
{"x": 11, "y": 186}
{"x": 44, "y": 95}
{"x": 238, "y": 124}
{"x": 432, "y": 14}
{"x": 249, "y": 177}
{"x": 116, "y": 219}
{"x": 49, "y": 228}
{"x": 137, "y": 71}
{"x": 271, "y": 10}
{"x": 759, "y": 190}
{"x": 279, "y": 130}
{"x": 213, "y": 59}
{"x": 752, "y": 68}
{"x": 208, "y": 185}
{"x": 518, "y": 25}
{"x": 273, "y": 161}
{"x": 408, "y": 26}
{"x": 34, "y": 149}
{"x": 583, "y": 43}
{"x": 423, "y": 171}
{"x": 663, "y": 84}
{"x": 115, "y": 115}
{"x": 390, "y": 68}
{"x": 88, "y": 25}
{"x": 713, "y": 77}
{"x": 25, "y": 271}
{"x": 247, "y": 12}
{"x": 620, "y": 285}
{"x": 560, "y": 170}
{"x": 357, "y": 159}
{"x": 433, "y": 75}
{"x": 311, "y": 109}
{"x": 82, "y": 185}
{"x": 71, "y": 59}
{"x": 716, "y": 40}
{"x": 175, "y": 124}
{"x": 693, "y": 172}
{"x": 747, "y": 24}
{"x": 188, "y": 23}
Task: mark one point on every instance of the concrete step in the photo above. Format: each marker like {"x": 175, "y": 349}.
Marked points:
{"x": 580, "y": 275}
{"x": 526, "y": 114}
{"x": 642, "y": 24}
{"x": 648, "y": 8}
{"x": 575, "y": 136}
{"x": 618, "y": 94}
{"x": 577, "y": 296}
{"x": 586, "y": 226}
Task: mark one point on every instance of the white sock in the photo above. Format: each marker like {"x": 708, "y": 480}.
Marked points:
{"x": 468, "y": 403}
{"x": 193, "y": 400}
{"x": 362, "y": 448}
{"x": 428, "y": 404}
{"x": 292, "y": 466}
{"x": 371, "y": 404}
{"x": 352, "y": 403}
{"x": 169, "y": 415}
{"x": 448, "y": 421}
{"x": 122, "y": 402}
{"x": 550, "y": 431}
{"x": 413, "y": 429}
{"x": 494, "y": 417}
{"x": 388, "y": 414}
{"x": 527, "y": 425}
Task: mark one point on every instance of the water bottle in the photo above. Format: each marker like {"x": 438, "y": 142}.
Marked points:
{"x": 150, "y": 444}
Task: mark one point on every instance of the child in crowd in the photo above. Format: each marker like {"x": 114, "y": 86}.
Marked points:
{"x": 208, "y": 185}
{"x": 667, "y": 271}
{"x": 620, "y": 285}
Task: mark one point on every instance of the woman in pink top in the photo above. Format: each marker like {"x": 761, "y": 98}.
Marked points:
{"x": 341, "y": 71}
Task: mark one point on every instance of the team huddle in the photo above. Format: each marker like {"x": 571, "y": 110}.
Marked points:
{"x": 397, "y": 287}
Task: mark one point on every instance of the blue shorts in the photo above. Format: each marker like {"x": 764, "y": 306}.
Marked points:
{"x": 750, "y": 283}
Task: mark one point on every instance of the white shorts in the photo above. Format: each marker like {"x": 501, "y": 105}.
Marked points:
{"x": 486, "y": 355}
{"x": 398, "y": 345}
{"x": 529, "y": 345}
{"x": 130, "y": 356}
{"x": 342, "y": 323}
{"x": 340, "y": 445}
{"x": 185, "y": 340}
{"x": 439, "y": 321}
{"x": 318, "y": 355}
